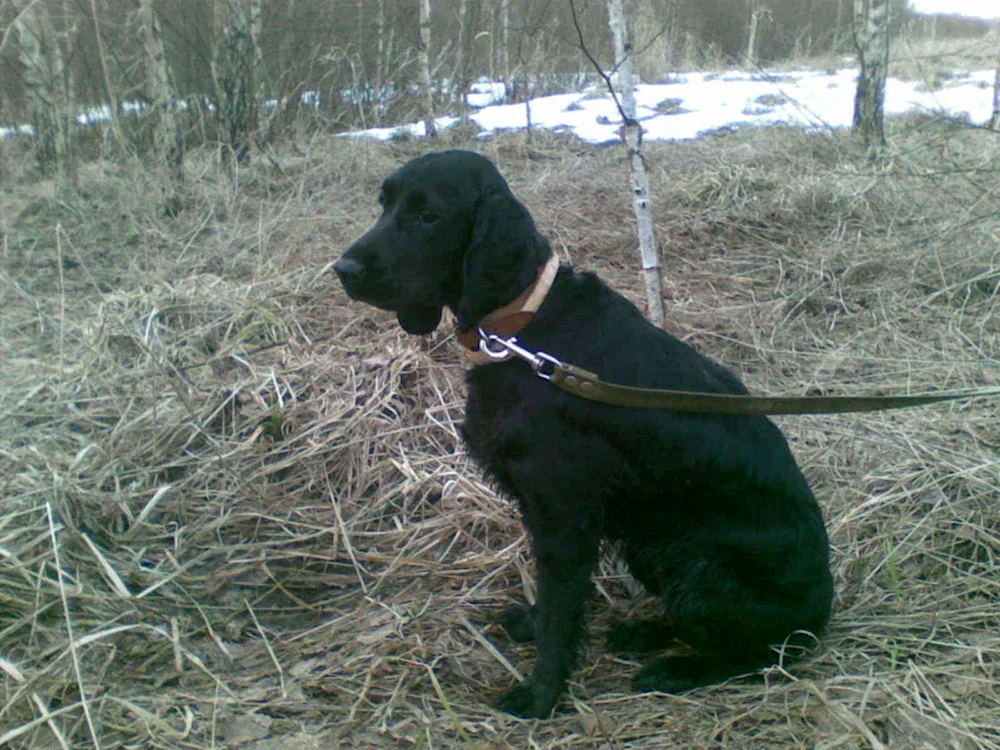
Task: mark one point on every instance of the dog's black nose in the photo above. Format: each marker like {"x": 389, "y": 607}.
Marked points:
{"x": 348, "y": 269}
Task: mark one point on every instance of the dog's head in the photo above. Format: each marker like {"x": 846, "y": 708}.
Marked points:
{"x": 451, "y": 234}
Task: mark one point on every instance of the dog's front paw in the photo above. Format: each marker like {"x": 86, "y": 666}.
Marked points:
{"x": 525, "y": 700}
{"x": 518, "y": 620}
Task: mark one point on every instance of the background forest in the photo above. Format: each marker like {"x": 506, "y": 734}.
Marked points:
{"x": 354, "y": 63}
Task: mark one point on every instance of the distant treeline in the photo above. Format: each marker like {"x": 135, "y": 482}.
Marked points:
{"x": 356, "y": 61}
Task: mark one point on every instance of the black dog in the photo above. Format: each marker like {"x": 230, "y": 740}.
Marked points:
{"x": 712, "y": 512}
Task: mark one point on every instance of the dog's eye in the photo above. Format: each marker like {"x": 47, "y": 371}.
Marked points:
{"x": 427, "y": 216}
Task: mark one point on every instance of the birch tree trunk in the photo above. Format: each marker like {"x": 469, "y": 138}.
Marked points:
{"x": 47, "y": 85}
{"x": 235, "y": 59}
{"x": 835, "y": 42}
{"x": 286, "y": 87}
{"x": 381, "y": 62}
{"x": 424, "y": 67}
{"x": 871, "y": 39}
{"x": 750, "y": 59}
{"x": 995, "y": 117}
{"x": 160, "y": 92}
{"x": 255, "y": 9}
{"x": 632, "y": 136}
{"x": 460, "y": 83}
{"x": 109, "y": 87}
{"x": 505, "y": 45}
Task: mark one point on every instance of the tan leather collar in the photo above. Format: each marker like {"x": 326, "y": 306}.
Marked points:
{"x": 510, "y": 319}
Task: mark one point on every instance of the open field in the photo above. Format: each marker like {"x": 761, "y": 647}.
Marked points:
{"x": 935, "y": 61}
{"x": 236, "y": 511}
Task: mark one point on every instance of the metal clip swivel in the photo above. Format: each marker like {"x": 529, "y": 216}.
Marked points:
{"x": 544, "y": 365}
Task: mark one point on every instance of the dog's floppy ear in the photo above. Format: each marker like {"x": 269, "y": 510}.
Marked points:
{"x": 502, "y": 259}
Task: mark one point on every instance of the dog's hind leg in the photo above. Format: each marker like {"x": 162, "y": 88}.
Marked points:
{"x": 728, "y": 644}
{"x": 730, "y": 614}
{"x": 676, "y": 674}
{"x": 641, "y": 636}
{"x": 737, "y": 633}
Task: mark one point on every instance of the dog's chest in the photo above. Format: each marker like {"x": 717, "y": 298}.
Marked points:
{"x": 498, "y": 423}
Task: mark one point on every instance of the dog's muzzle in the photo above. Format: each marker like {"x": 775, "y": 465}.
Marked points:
{"x": 349, "y": 271}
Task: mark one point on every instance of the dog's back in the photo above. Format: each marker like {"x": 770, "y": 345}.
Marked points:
{"x": 712, "y": 510}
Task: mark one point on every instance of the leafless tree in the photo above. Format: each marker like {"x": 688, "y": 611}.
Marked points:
{"x": 161, "y": 93}
{"x": 505, "y": 41}
{"x": 235, "y": 69}
{"x": 835, "y": 43}
{"x": 621, "y": 85}
{"x": 49, "y": 88}
{"x": 460, "y": 75}
{"x": 424, "y": 66}
{"x": 632, "y": 136}
{"x": 995, "y": 117}
{"x": 393, "y": 57}
{"x": 109, "y": 87}
{"x": 383, "y": 52}
{"x": 757, "y": 11}
{"x": 871, "y": 39}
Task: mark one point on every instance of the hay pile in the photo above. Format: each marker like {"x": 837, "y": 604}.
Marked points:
{"x": 237, "y": 512}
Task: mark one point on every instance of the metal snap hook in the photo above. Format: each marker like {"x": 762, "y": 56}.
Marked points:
{"x": 543, "y": 364}
{"x": 498, "y": 355}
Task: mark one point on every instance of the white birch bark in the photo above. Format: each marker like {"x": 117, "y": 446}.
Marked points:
{"x": 505, "y": 42}
{"x": 995, "y": 117}
{"x": 871, "y": 39}
{"x": 632, "y": 136}
{"x": 160, "y": 91}
{"x": 235, "y": 60}
{"x": 835, "y": 43}
{"x": 220, "y": 69}
{"x": 381, "y": 61}
{"x": 47, "y": 83}
{"x": 751, "y": 52}
{"x": 255, "y": 11}
{"x": 108, "y": 84}
{"x": 459, "y": 81}
{"x": 424, "y": 67}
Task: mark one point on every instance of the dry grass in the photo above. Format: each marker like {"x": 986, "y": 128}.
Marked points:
{"x": 237, "y": 513}
{"x": 936, "y": 61}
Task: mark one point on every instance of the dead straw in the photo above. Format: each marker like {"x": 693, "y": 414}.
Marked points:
{"x": 236, "y": 508}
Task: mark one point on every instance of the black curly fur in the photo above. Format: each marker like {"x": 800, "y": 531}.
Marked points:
{"x": 712, "y": 512}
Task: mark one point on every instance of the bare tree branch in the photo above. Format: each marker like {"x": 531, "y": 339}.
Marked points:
{"x": 597, "y": 66}
{"x": 10, "y": 27}
{"x": 631, "y": 135}
{"x": 109, "y": 86}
